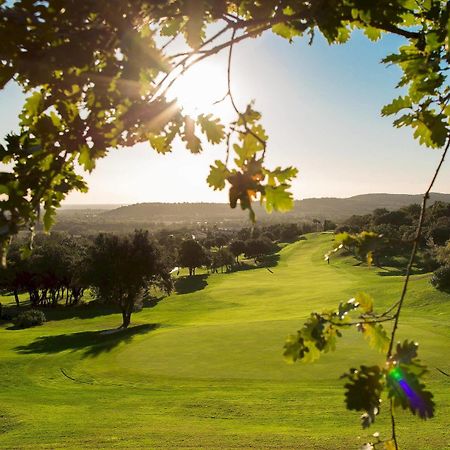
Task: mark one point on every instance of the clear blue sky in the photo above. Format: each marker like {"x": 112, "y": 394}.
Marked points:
{"x": 321, "y": 106}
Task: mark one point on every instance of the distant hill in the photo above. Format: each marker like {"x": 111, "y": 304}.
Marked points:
{"x": 330, "y": 208}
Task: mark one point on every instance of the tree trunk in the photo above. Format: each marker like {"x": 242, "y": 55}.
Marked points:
{"x": 126, "y": 318}
{"x": 16, "y": 297}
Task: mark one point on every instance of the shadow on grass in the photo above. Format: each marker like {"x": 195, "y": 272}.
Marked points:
{"x": 264, "y": 262}
{"x": 399, "y": 271}
{"x": 186, "y": 285}
{"x": 92, "y": 343}
{"x": 88, "y": 310}
{"x": 151, "y": 302}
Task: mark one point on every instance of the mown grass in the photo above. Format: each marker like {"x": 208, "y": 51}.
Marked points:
{"x": 204, "y": 368}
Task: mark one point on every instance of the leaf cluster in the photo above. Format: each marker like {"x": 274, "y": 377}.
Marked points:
{"x": 400, "y": 377}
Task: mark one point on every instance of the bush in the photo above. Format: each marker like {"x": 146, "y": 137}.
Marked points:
{"x": 29, "y": 318}
{"x": 441, "y": 278}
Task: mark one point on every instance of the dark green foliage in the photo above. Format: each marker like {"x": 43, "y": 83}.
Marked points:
{"x": 441, "y": 278}
{"x": 30, "y": 318}
{"x": 396, "y": 231}
{"x": 191, "y": 254}
{"x": 404, "y": 382}
{"x": 363, "y": 392}
{"x": 221, "y": 258}
{"x": 120, "y": 268}
{"x": 401, "y": 375}
{"x": 256, "y": 248}
{"x": 237, "y": 247}
{"x": 52, "y": 272}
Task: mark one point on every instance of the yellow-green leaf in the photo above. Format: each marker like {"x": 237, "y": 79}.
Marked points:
{"x": 212, "y": 128}
{"x": 365, "y": 301}
{"x": 217, "y": 175}
{"x": 377, "y": 336}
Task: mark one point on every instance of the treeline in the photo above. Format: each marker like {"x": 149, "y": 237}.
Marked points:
{"x": 121, "y": 269}
{"x": 386, "y": 237}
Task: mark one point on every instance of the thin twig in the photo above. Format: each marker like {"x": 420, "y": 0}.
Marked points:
{"x": 441, "y": 371}
{"x": 394, "y": 433}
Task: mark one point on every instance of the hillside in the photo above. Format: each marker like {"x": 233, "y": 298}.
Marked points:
{"x": 204, "y": 368}
{"x": 330, "y": 208}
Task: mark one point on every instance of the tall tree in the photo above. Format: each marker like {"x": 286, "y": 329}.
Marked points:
{"x": 191, "y": 254}
{"x": 121, "y": 267}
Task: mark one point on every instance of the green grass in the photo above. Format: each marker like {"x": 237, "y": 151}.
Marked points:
{"x": 204, "y": 369}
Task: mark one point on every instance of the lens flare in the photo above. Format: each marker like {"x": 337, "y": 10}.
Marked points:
{"x": 402, "y": 386}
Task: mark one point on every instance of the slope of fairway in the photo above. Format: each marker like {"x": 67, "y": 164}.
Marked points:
{"x": 204, "y": 369}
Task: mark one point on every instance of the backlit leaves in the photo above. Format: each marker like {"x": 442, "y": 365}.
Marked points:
{"x": 278, "y": 198}
{"x": 286, "y": 31}
{"x": 189, "y": 137}
{"x": 376, "y": 336}
{"x": 316, "y": 336}
{"x": 408, "y": 392}
{"x": 212, "y": 128}
{"x": 363, "y": 391}
{"x": 194, "y": 30}
{"x": 396, "y": 106}
{"x": 365, "y": 301}
{"x": 218, "y": 174}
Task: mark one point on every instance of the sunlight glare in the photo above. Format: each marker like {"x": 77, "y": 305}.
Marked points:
{"x": 199, "y": 88}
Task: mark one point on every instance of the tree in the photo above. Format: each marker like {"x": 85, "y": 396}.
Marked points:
{"x": 237, "y": 247}
{"x": 192, "y": 255}
{"x": 257, "y": 248}
{"x": 108, "y": 89}
{"x": 120, "y": 268}
{"x": 222, "y": 258}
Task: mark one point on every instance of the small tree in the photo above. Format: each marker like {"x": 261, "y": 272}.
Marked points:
{"x": 257, "y": 248}
{"x": 222, "y": 258}
{"x": 237, "y": 247}
{"x": 121, "y": 267}
{"x": 192, "y": 255}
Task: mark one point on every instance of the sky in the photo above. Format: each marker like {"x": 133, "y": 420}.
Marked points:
{"x": 321, "y": 107}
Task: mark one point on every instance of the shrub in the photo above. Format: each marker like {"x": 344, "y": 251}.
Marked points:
{"x": 441, "y": 278}
{"x": 29, "y": 318}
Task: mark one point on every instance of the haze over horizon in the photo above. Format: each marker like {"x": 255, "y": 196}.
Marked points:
{"x": 70, "y": 204}
{"x": 321, "y": 108}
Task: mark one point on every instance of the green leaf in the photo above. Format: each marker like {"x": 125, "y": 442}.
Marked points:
{"x": 406, "y": 353}
{"x": 217, "y": 175}
{"x": 85, "y": 158}
{"x": 407, "y": 391}
{"x": 31, "y": 109}
{"x": 192, "y": 141}
{"x": 363, "y": 391}
{"x": 159, "y": 143}
{"x": 365, "y": 301}
{"x": 396, "y": 105}
{"x": 374, "y": 34}
{"x": 172, "y": 26}
{"x": 389, "y": 445}
{"x": 194, "y": 30}
{"x": 376, "y": 335}
{"x": 49, "y": 218}
{"x": 280, "y": 175}
{"x": 278, "y": 198}
{"x": 212, "y": 127}
{"x": 345, "y": 307}
{"x": 286, "y": 31}
{"x": 431, "y": 129}
{"x": 316, "y": 336}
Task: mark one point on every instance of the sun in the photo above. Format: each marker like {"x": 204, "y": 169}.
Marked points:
{"x": 199, "y": 88}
